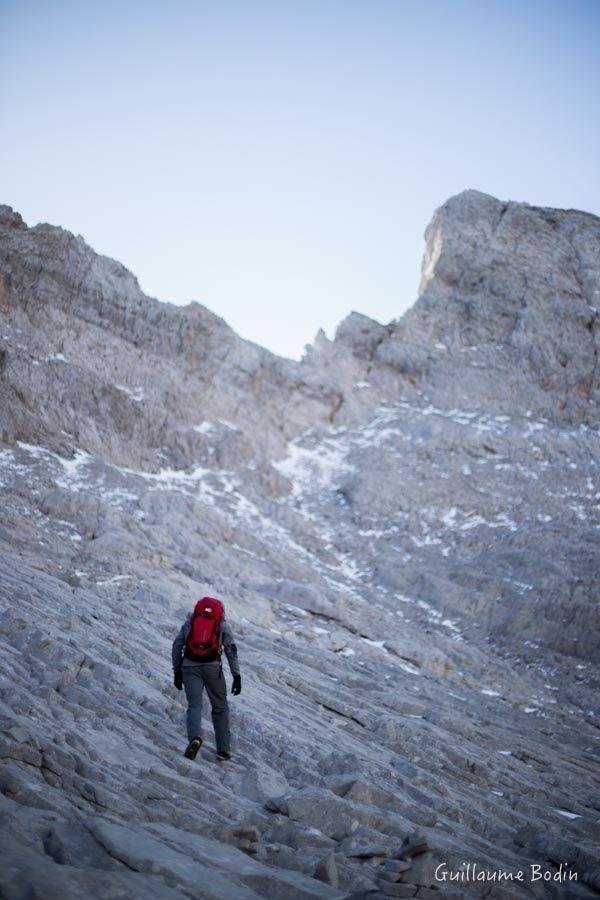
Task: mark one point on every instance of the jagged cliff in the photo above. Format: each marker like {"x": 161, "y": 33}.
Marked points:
{"x": 510, "y": 287}
{"x": 403, "y": 526}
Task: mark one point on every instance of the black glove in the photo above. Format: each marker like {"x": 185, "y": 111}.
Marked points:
{"x": 178, "y": 680}
{"x": 236, "y": 687}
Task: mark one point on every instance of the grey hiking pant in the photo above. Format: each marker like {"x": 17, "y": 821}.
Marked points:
{"x": 196, "y": 677}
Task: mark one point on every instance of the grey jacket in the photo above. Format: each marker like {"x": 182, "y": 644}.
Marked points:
{"x": 227, "y": 642}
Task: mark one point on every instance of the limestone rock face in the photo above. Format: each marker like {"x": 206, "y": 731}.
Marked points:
{"x": 403, "y": 527}
{"x": 513, "y": 289}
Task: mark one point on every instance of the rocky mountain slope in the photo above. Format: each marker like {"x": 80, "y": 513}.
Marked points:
{"x": 403, "y": 527}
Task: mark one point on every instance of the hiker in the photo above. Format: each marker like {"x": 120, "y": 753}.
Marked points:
{"x": 197, "y": 665}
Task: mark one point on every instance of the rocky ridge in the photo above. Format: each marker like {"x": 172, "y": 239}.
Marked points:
{"x": 440, "y": 470}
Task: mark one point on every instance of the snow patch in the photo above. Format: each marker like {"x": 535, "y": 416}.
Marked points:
{"x": 379, "y": 644}
{"x": 314, "y": 468}
{"x": 136, "y": 394}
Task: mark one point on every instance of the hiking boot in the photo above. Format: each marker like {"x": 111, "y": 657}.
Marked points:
{"x": 192, "y": 748}
{"x": 223, "y": 755}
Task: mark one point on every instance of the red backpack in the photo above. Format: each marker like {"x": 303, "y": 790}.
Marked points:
{"x": 203, "y": 642}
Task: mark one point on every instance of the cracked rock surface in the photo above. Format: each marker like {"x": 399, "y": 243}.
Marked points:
{"x": 404, "y": 528}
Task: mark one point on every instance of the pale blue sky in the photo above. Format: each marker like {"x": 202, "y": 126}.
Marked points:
{"x": 279, "y": 161}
